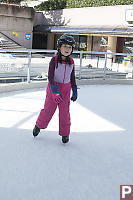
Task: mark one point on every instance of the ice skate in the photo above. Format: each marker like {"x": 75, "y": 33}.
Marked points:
{"x": 36, "y": 131}
{"x": 65, "y": 139}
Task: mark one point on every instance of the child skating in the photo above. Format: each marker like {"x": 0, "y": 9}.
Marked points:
{"x": 61, "y": 79}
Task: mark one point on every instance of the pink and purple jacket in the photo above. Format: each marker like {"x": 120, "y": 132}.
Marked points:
{"x": 64, "y": 73}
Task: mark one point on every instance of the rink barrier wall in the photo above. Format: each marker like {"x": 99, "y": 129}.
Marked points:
{"x": 40, "y": 84}
{"x": 4, "y": 88}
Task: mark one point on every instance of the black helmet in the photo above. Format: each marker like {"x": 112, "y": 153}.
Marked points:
{"x": 65, "y": 39}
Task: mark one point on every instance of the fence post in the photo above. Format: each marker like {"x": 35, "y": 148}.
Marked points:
{"x": 105, "y": 64}
{"x": 97, "y": 61}
{"x": 29, "y": 65}
{"x": 80, "y": 67}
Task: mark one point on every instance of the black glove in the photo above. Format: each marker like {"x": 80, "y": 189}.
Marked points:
{"x": 74, "y": 93}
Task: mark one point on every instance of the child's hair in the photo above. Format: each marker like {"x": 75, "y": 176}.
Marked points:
{"x": 59, "y": 59}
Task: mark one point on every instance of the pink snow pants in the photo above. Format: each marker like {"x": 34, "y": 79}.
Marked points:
{"x": 50, "y": 107}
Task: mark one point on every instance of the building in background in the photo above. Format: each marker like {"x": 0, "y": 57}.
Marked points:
{"x": 107, "y": 28}
{"x": 16, "y": 25}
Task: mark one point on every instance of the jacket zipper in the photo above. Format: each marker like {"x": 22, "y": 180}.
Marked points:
{"x": 64, "y": 73}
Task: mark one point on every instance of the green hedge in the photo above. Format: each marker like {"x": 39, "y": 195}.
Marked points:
{"x": 61, "y": 4}
{"x": 96, "y": 3}
{"x": 52, "y": 5}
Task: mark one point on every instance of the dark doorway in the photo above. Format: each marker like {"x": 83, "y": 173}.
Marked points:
{"x": 39, "y": 41}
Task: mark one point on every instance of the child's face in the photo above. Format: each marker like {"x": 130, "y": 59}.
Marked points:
{"x": 66, "y": 49}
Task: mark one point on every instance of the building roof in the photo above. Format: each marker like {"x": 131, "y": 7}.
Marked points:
{"x": 105, "y": 20}
{"x": 104, "y": 30}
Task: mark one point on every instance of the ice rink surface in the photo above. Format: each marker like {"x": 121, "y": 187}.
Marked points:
{"x": 98, "y": 158}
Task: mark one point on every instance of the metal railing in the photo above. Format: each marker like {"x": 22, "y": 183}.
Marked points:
{"x": 116, "y": 59}
{"x": 88, "y": 64}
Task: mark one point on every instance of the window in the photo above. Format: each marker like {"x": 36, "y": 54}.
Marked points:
{"x": 128, "y": 46}
{"x": 80, "y": 42}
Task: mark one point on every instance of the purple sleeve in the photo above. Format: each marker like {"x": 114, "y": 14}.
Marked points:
{"x": 51, "y": 71}
{"x": 73, "y": 80}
